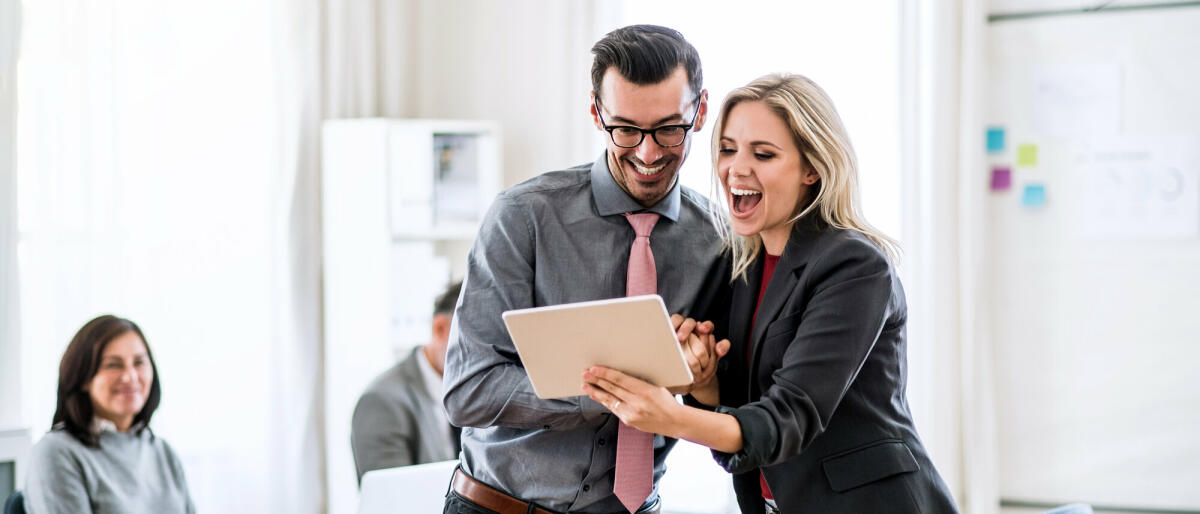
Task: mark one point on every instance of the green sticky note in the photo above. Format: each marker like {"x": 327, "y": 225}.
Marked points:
{"x": 1027, "y": 155}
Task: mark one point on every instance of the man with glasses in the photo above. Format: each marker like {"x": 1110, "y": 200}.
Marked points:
{"x": 576, "y": 235}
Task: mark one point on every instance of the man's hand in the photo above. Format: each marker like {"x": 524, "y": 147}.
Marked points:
{"x": 701, "y": 350}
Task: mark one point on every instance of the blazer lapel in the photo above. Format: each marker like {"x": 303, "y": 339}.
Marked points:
{"x": 429, "y": 421}
{"x": 783, "y": 281}
{"x": 741, "y": 309}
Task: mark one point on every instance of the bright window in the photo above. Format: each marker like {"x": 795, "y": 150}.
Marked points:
{"x": 852, "y": 56}
{"x": 145, "y": 152}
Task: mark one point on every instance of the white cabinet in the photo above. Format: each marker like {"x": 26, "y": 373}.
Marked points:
{"x": 401, "y": 200}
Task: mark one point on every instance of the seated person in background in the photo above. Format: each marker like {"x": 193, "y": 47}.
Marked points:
{"x": 399, "y": 420}
{"x": 100, "y": 455}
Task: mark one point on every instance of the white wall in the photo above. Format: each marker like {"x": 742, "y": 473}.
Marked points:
{"x": 1094, "y": 337}
{"x": 523, "y": 63}
{"x": 10, "y": 349}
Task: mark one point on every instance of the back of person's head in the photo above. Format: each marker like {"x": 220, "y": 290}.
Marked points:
{"x": 445, "y": 302}
{"x": 818, "y": 132}
{"x": 80, "y": 364}
{"x": 644, "y": 55}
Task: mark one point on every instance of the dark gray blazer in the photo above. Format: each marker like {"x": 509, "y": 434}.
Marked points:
{"x": 396, "y": 423}
{"x": 821, "y": 399}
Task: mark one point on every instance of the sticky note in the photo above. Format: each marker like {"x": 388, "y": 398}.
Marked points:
{"x": 1001, "y": 178}
{"x": 1027, "y": 155}
{"x": 995, "y": 139}
{"x": 1034, "y": 195}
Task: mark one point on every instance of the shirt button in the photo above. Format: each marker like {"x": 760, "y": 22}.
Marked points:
{"x": 586, "y": 488}
{"x": 600, "y": 442}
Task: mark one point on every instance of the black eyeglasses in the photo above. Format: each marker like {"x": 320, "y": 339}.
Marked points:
{"x": 666, "y": 136}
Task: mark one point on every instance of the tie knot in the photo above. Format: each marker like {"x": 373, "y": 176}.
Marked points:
{"x": 642, "y": 223}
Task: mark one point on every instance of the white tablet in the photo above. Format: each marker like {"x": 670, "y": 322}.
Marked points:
{"x": 631, "y": 334}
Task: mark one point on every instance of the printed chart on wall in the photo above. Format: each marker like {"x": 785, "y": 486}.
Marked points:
{"x": 1092, "y": 137}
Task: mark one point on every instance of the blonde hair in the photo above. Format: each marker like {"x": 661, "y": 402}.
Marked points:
{"x": 818, "y": 132}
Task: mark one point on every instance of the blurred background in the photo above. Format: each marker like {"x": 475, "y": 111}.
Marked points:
{"x": 1039, "y": 161}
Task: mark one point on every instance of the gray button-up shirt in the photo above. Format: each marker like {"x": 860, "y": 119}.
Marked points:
{"x": 557, "y": 238}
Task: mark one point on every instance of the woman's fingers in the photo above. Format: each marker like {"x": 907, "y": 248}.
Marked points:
{"x": 618, "y": 379}
{"x": 723, "y": 347}
{"x": 601, "y": 396}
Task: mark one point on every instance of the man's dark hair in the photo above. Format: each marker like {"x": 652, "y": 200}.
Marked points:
{"x": 644, "y": 55}
{"x": 79, "y": 365}
{"x": 445, "y": 301}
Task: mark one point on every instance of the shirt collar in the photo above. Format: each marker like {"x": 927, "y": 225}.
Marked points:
{"x": 611, "y": 199}
{"x": 101, "y": 425}
{"x": 433, "y": 381}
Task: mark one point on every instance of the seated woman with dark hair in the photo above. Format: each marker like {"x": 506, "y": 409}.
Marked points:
{"x": 100, "y": 455}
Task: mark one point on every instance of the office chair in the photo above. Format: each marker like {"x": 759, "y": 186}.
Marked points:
{"x": 15, "y": 504}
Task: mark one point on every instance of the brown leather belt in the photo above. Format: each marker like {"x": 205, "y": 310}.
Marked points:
{"x": 488, "y": 497}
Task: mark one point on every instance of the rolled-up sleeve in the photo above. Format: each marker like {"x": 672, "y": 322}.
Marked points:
{"x": 485, "y": 383}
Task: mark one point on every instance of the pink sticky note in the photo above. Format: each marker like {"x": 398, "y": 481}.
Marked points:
{"x": 1001, "y": 178}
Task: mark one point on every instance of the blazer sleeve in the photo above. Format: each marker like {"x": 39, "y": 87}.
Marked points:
{"x": 851, "y": 289}
{"x": 381, "y": 434}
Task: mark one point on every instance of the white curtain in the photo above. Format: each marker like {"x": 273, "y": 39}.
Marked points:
{"x": 162, "y": 178}
{"x": 943, "y": 212}
{"x": 336, "y": 60}
{"x": 10, "y": 349}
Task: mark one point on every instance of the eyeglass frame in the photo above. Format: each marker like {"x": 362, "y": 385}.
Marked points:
{"x": 687, "y": 127}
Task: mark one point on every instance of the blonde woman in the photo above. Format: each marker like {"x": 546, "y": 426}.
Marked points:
{"x": 810, "y": 413}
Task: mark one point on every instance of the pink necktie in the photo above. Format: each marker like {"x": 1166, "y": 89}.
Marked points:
{"x": 635, "y": 449}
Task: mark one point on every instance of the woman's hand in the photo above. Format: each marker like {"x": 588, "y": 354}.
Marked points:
{"x": 653, "y": 409}
{"x": 638, "y": 404}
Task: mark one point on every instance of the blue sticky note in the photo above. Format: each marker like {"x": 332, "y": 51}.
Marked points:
{"x": 995, "y": 139}
{"x": 1034, "y": 195}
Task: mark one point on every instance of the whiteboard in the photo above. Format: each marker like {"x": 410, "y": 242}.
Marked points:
{"x": 1096, "y": 339}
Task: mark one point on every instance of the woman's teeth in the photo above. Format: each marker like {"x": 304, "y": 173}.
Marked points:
{"x": 744, "y": 199}
{"x": 743, "y": 192}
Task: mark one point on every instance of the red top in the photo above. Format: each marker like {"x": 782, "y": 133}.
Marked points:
{"x": 768, "y": 270}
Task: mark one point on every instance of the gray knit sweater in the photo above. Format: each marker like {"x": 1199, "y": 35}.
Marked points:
{"x": 129, "y": 473}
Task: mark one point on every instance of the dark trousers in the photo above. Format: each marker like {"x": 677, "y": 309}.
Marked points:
{"x": 456, "y": 504}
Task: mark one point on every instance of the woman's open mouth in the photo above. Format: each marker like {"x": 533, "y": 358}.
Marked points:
{"x": 744, "y": 200}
